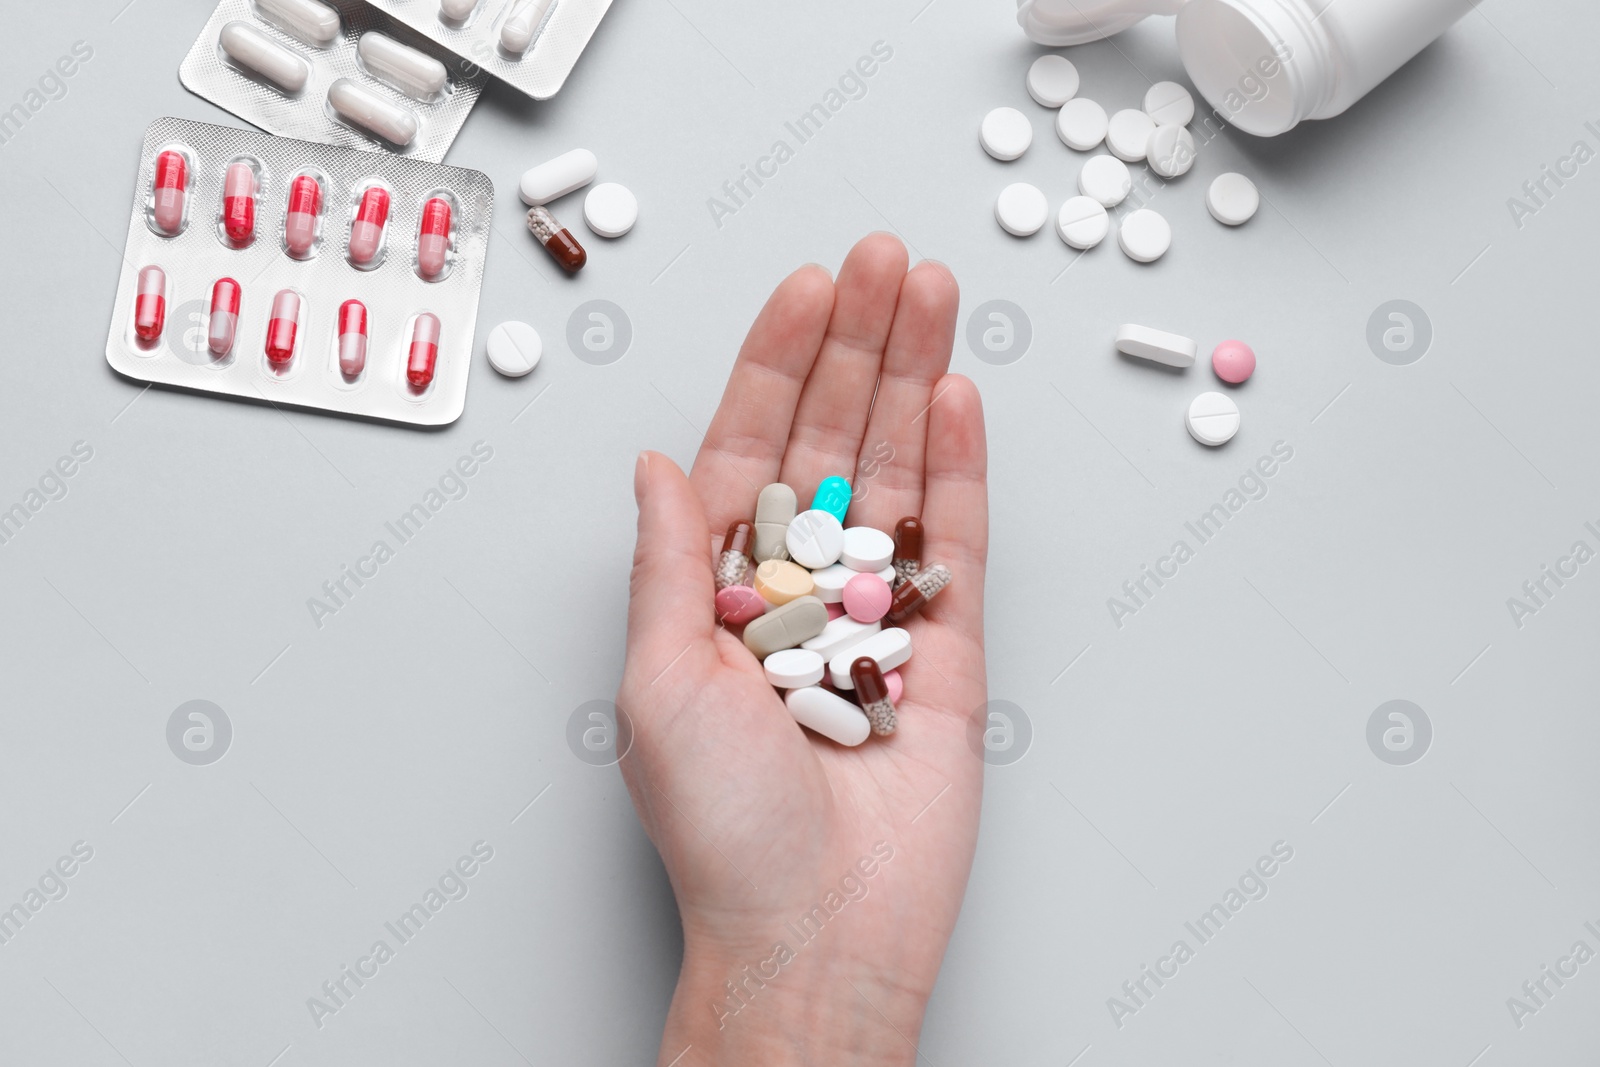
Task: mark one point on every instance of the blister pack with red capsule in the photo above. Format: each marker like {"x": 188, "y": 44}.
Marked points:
{"x": 301, "y": 274}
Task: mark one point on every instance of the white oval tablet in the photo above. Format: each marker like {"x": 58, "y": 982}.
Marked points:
{"x": 840, "y": 634}
{"x": 829, "y": 714}
{"x": 555, "y": 178}
{"x": 610, "y": 209}
{"x": 1006, "y": 133}
{"x": 890, "y": 648}
{"x": 1233, "y": 199}
{"x": 1128, "y": 134}
{"x": 255, "y": 51}
{"x": 866, "y": 549}
{"x": 514, "y": 348}
{"x": 1171, "y": 151}
{"x": 1169, "y": 102}
{"x": 1145, "y": 236}
{"x": 311, "y": 21}
{"x": 1052, "y": 80}
{"x": 815, "y": 539}
{"x": 1105, "y": 179}
{"x": 1158, "y": 346}
{"x": 414, "y": 73}
{"x": 793, "y": 668}
{"x": 1082, "y": 222}
{"x": 1213, "y": 419}
{"x": 1021, "y": 209}
{"x": 1081, "y": 124}
{"x": 362, "y": 107}
{"x": 828, "y": 583}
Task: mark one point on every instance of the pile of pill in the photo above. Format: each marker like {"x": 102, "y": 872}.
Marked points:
{"x": 609, "y": 209}
{"x": 1212, "y": 418}
{"x": 813, "y": 598}
{"x": 1155, "y": 134}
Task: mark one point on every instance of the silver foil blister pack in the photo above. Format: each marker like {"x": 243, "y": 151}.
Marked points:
{"x": 531, "y": 45}
{"x": 299, "y": 257}
{"x": 342, "y": 72}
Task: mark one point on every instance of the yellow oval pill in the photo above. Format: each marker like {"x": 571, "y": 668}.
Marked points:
{"x": 779, "y": 581}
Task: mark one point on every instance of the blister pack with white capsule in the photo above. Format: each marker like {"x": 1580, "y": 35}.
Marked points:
{"x": 342, "y": 72}
{"x": 531, "y": 45}
{"x": 305, "y": 275}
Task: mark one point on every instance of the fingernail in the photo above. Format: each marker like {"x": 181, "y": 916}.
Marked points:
{"x": 820, "y": 267}
{"x": 641, "y": 477}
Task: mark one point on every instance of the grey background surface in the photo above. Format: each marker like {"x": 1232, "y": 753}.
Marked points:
{"x": 1167, "y": 755}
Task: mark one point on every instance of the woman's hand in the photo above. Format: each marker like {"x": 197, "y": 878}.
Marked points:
{"x": 817, "y": 884}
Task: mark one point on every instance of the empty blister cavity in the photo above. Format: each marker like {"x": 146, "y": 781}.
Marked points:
{"x": 241, "y": 188}
{"x": 313, "y": 22}
{"x": 369, "y": 225}
{"x": 402, "y": 67}
{"x": 302, "y": 216}
{"x": 435, "y": 252}
{"x": 259, "y": 56}
{"x": 522, "y": 23}
{"x": 167, "y": 204}
{"x": 367, "y": 110}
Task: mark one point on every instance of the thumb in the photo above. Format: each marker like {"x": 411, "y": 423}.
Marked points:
{"x": 671, "y": 587}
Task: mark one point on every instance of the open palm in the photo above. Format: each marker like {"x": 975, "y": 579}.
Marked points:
{"x": 760, "y": 823}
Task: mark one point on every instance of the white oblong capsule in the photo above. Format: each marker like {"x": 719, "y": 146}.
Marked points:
{"x": 401, "y": 66}
{"x": 311, "y": 21}
{"x": 829, "y": 714}
{"x": 516, "y": 33}
{"x": 555, "y": 178}
{"x": 457, "y": 9}
{"x": 365, "y": 108}
{"x": 255, "y": 51}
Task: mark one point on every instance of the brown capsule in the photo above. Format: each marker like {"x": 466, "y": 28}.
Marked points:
{"x": 917, "y": 590}
{"x": 733, "y": 566}
{"x": 873, "y": 692}
{"x": 557, "y": 240}
{"x": 907, "y": 548}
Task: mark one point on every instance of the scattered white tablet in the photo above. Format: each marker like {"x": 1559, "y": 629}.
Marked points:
{"x": 1052, "y": 80}
{"x": 514, "y": 348}
{"x": 1145, "y": 236}
{"x": 1128, "y": 134}
{"x": 1169, "y": 102}
{"x": 1171, "y": 151}
{"x": 1082, "y": 222}
{"x": 1106, "y": 179}
{"x": 1021, "y": 209}
{"x": 1232, "y": 199}
{"x": 610, "y": 209}
{"x": 1006, "y": 133}
{"x": 1213, "y": 419}
{"x": 1081, "y": 124}
{"x": 1158, "y": 346}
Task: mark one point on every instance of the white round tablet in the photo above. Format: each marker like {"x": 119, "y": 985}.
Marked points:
{"x": 1081, "y": 124}
{"x": 1169, "y": 102}
{"x": 1171, "y": 151}
{"x": 1213, "y": 419}
{"x": 514, "y": 348}
{"x": 866, "y": 549}
{"x": 1232, "y": 199}
{"x": 1082, "y": 222}
{"x": 610, "y": 209}
{"x": 1128, "y": 134}
{"x": 827, "y": 583}
{"x": 1006, "y": 133}
{"x": 815, "y": 539}
{"x": 1052, "y": 80}
{"x": 793, "y": 668}
{"x": 1021, "y": 209}
{"x": 1106, "y": 179}
{"x": 1145, "y": 236}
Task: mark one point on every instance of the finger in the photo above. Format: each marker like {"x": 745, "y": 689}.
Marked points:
{"x": 832, "y": 415}
{"x": 743, "y": 450}
{"x": 955, "y": 509}
{"x": 889, "y": 471}
{"x": 670, "y": 589}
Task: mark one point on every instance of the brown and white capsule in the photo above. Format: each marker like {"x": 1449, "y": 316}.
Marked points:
{"x": 917, "y": 590}
{"x": 907, "y": 548}
{"x": 734, "y": 563}
{"x": 873, "y": 692}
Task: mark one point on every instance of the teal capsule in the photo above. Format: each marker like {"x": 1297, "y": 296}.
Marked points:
{"x": 833, "y": 495}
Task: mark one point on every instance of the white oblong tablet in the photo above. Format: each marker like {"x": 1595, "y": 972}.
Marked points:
{"x": 1052, "y": 80}
{"x": 840, "y": 634}
{"x": 1081, "y": 124}
{"x": 514, "y": 348}
{"x": 829, "y": 714}
{"x": 311, "y": 21}
{"x": 610, "y": 209}
{"x": 1171, "y": 151}
{"x": 890, "y": 648}
{"x": 555, "y": 178}
{"x": 866, "y": 549}
{"x": 1021, "y": 209}
{"x": 516, "y": 32}
{"x": 1006, "y": 133}
{"x": 793, "y": 668}
{"x": 1213, "y": 419}
{"x": 1169, "y": 102}
{"x": 1082, "y": 222}
{"x": 1158, "y": 346}
{"x": 362, "y": 107}
{"x": 1233, "y": 199}
{"x": 1105, "y": 179}
{"x": 815, "y": 539}
{"x": 1128, "y": 134}
{"x": 255, "y": 51}
{"x": 401, "y": 67}
{"x": 1145, "y": 236}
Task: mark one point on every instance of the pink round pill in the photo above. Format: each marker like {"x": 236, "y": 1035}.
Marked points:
{"x": 739, "y": 604}
{"x": 896, "y": 684}
{"x": 1233, "y": 361}
{"x": 867, "y": 598}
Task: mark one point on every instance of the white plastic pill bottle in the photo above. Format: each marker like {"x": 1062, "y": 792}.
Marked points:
{"x": 1266, "y": 65}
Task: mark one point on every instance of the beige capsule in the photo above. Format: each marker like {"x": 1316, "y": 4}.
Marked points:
{"x": 786, "y": 626}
